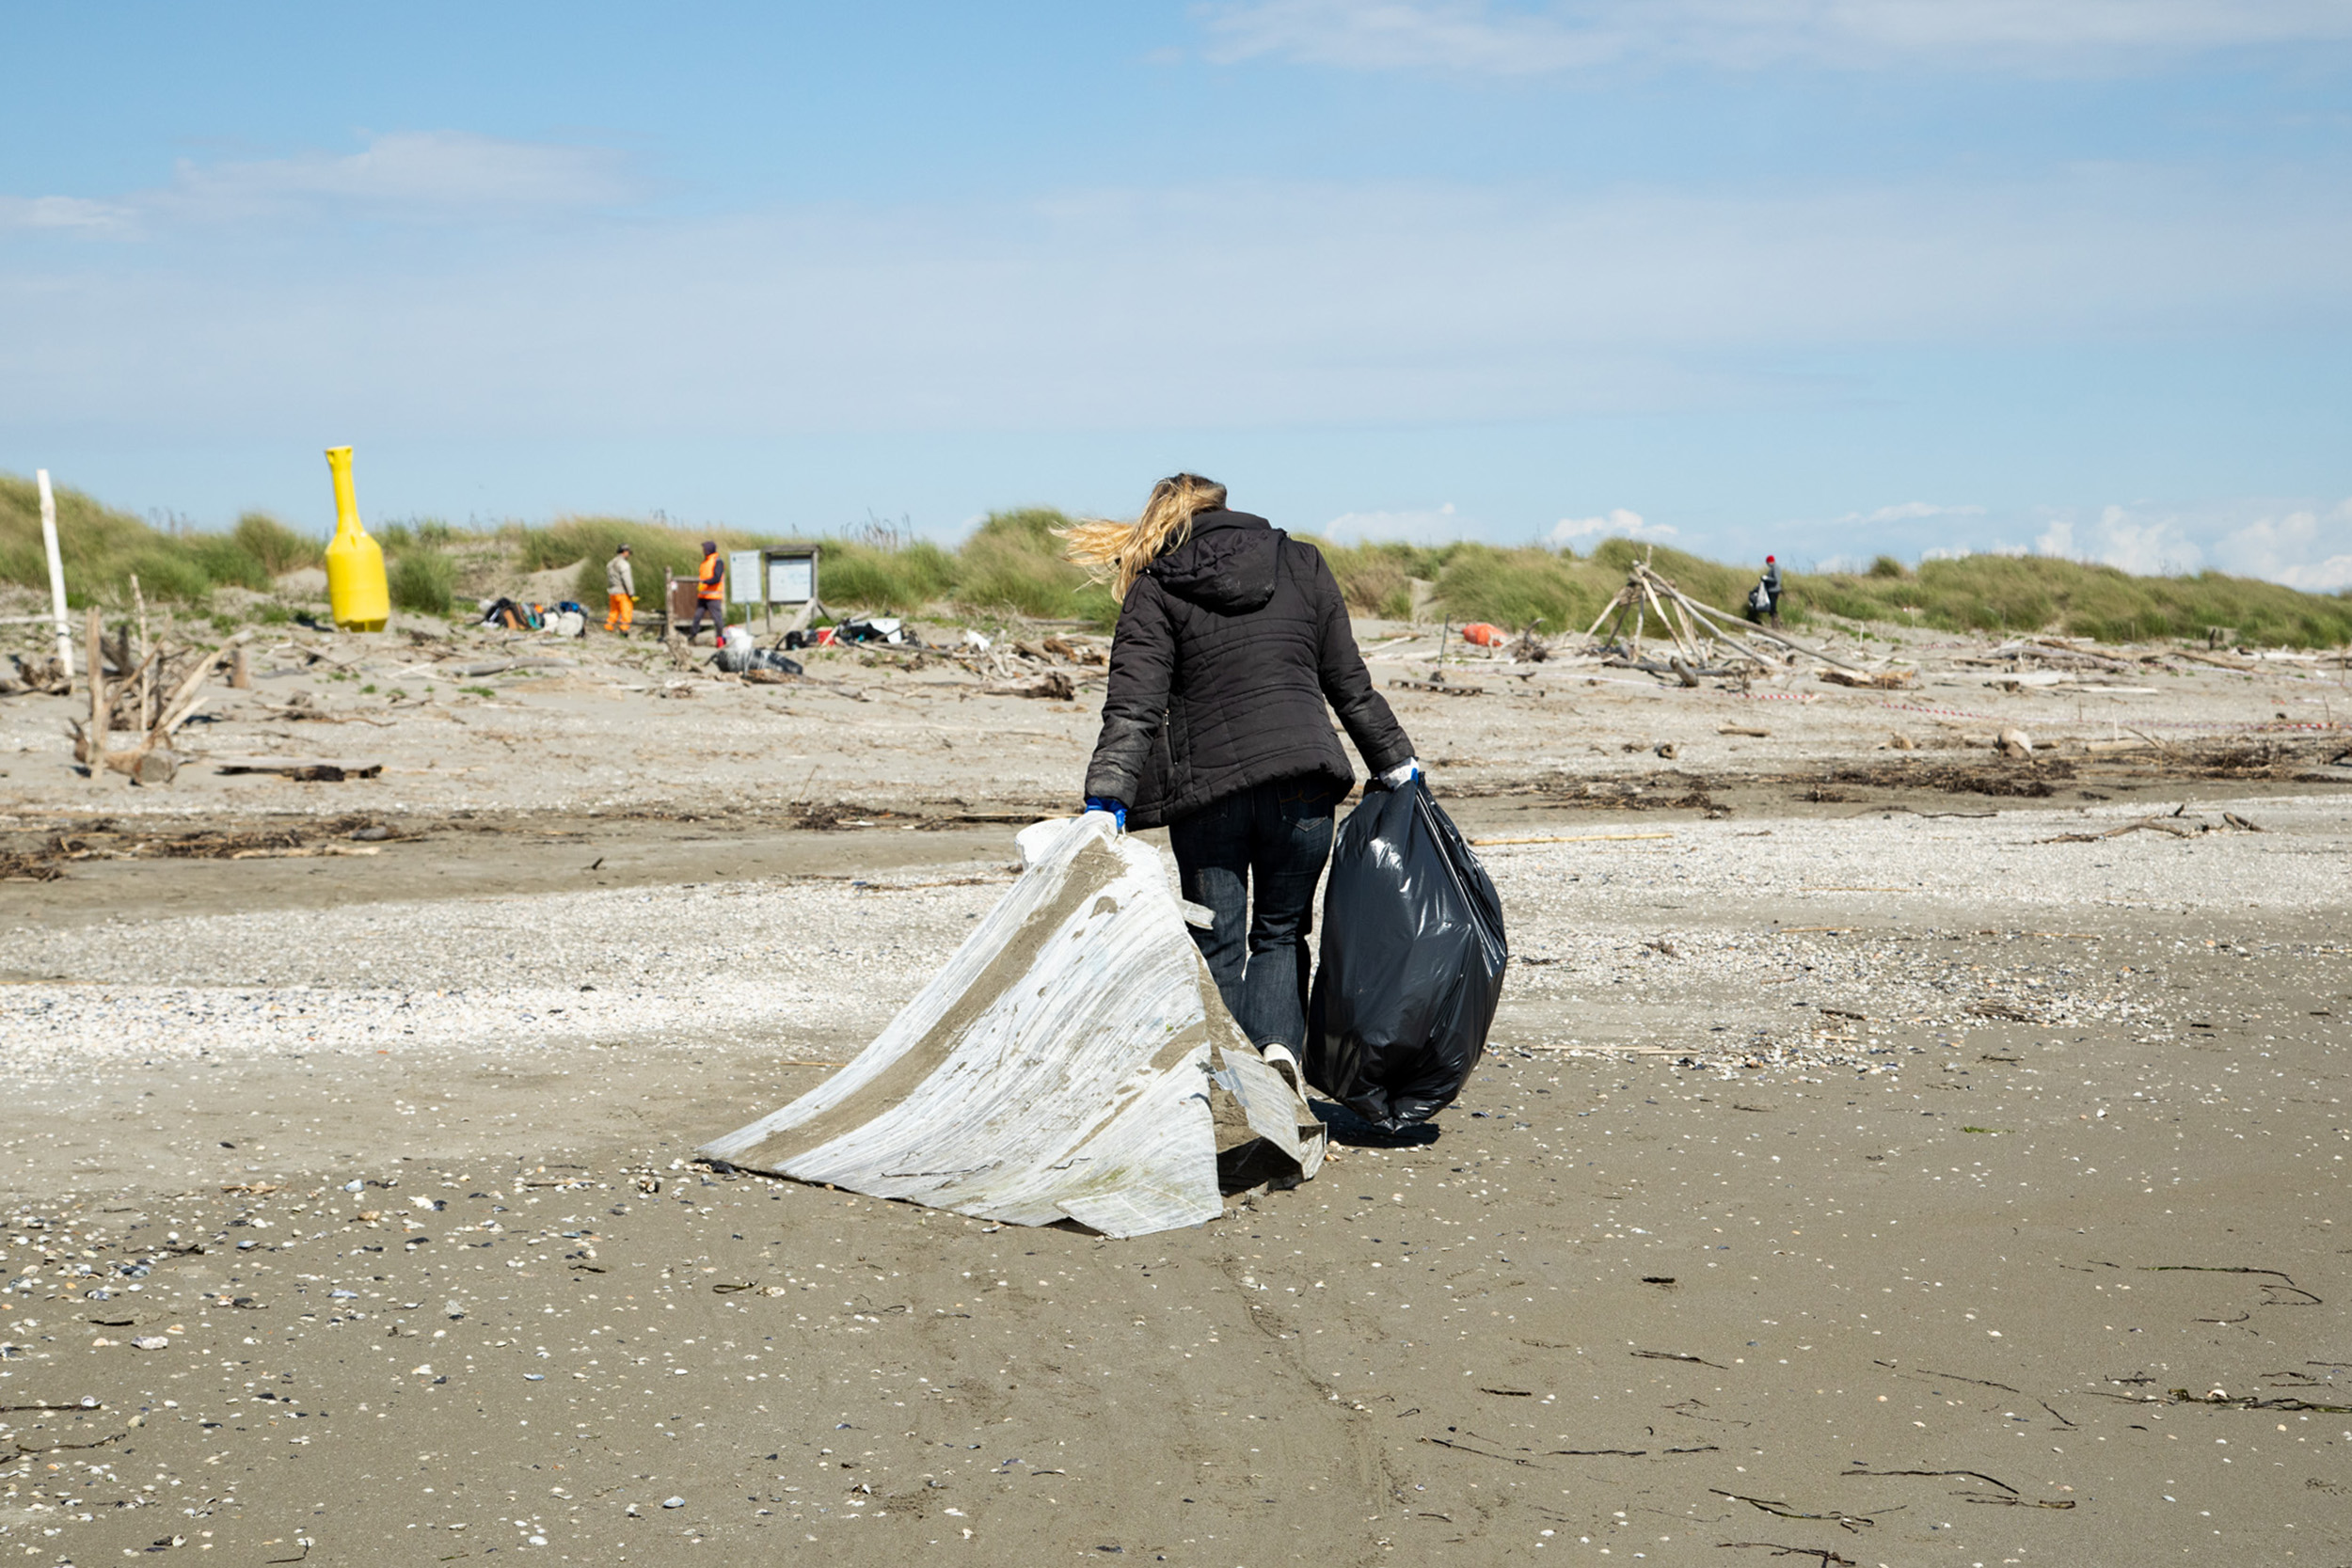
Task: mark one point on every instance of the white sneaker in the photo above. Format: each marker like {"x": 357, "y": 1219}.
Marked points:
{"x": 1278, "y": 1057}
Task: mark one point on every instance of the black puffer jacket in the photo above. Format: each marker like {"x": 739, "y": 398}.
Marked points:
{"x": 1227, "y": 646}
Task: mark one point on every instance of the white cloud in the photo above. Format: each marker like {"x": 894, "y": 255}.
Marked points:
{"x": 2146, "y": 545}
{"x": 69, "y": 212}
{"x": 2292, "y": 547}
{"x": 1962, "y": 552}
{"x": 417, "y": 175}
{"x": 1382, "y": 35}
{"x": 1436, "y": 527}
{"x": 1617, "y": 523}
{"x": 1505, "y": 303}
{"x": 2303, "y": 544}
{"x": 1842, "y": 530}
{"x": 1912, "y": 512}
{"x": 1479, "y": 36}
{"x": 416, "y": 172}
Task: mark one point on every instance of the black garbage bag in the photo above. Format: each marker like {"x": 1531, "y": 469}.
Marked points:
{"x": 1413, "y": 955}
{"x": 738, "y": 661}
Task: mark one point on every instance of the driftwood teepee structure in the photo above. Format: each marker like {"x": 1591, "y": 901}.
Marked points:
{"x": 1689, "y": 623}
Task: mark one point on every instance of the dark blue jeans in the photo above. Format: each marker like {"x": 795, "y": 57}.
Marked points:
{"x": 1269, "y": 841}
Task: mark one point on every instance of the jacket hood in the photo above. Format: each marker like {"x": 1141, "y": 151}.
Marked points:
{"x": 1227, "y": 565}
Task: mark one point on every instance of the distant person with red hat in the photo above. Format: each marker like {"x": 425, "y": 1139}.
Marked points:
{"x": 1764, "y": 598}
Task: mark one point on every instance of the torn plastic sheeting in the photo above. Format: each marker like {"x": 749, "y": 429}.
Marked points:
{"x": 1073, "y": 1060}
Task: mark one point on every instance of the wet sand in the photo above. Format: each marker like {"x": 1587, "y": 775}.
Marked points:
{"x": 1845, "y": 1180}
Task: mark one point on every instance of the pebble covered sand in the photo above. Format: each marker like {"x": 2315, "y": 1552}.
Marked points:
{"x": 1873, "y": 1163}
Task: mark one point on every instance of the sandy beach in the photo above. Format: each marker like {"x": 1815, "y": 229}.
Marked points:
{"x": 1890, "y": 1151}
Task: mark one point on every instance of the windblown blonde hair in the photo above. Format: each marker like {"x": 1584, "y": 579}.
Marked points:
{"x": 1116, "y": 553}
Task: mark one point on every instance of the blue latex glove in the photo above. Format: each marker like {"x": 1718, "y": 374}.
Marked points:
{"x": 1116, "y": 808}
{"x": 1401, "y": 774}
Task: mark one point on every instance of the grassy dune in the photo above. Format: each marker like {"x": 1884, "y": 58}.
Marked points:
{"x": 1012, "y": 566}
{"x": 1558, "y": 590}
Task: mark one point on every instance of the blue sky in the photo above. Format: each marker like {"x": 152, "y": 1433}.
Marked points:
{"x": 1828, "y": 277}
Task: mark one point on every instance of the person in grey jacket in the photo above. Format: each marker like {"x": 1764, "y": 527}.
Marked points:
{"x": 620, "y": 591}
{"x": 1232, "y": 639}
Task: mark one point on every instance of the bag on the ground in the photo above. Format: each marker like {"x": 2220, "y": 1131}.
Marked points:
{"x": 1413, "y": 955}
{"x": 739, "y": 655}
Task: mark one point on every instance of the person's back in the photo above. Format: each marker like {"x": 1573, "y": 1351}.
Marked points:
{"x": 1227, "y": 647}
{"x": 710, "y": 603}
{"x": 1232, "y": 638}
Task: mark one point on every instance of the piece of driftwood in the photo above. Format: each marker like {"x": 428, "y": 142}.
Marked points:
{"x": 1678, "y": 667}
{"x": 152, "y": 760}
{"x": 186, "y": 698}
{"x": 499, "y": 666}
{"x": 2045, "y": 651}
{"x": 101, "y": 708}
{"x": 1052, "y": 685}
{"x": 1880, "y": 680}
{"x": 19, "y": 673}
{"x": 306, "y": 769}
{"x": 2178, "y": 827}
{"x": 1439, "y": 687}
{"x": 2242, "y": 666}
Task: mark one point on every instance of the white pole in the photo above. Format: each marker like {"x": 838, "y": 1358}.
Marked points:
{"x": 57, "y": 574}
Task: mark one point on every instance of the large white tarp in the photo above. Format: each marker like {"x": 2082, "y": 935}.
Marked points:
{"x": 1073, "y": 1061}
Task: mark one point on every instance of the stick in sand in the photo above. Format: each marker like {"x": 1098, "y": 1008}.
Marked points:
{"x": 97, "y": 704}
{"x": 57, "y": 574}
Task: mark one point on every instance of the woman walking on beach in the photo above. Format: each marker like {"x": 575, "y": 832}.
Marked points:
{"x": 1232, "y": 638}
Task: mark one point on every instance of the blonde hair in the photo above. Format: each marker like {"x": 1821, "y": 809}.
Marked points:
{"x": 1116, "y": 553}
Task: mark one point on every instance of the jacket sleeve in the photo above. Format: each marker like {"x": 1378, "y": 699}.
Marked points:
{"x": 1143, "y": 664}
{"x": 1347, "y": 685}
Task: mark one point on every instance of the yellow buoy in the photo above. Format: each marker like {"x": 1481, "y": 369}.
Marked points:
{"x": 356, "y": 593}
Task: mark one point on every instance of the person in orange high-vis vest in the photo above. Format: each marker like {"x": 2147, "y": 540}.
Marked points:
{"x": 710, "y": 595}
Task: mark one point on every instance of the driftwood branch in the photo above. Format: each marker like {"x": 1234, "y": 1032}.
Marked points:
{"x": 1977, "y": 1475}
{"x": 1849, "y": 1522}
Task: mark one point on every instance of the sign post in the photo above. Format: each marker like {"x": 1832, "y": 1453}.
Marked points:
{"x": 791, "y": 578}
{"x": 743, "y": 581}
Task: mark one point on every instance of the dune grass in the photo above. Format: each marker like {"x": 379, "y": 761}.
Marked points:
{"x": 104, "y": 548}
{"x": 1551, "y": 590}
{"x": 589, "y": 542}
{"x": 2023, "y": 594}
{"x": 422, "y": 579}
{"x": 1012, "y": 566}
{"x": 1377, "y": 580}
{"x": 278, "y": 548}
